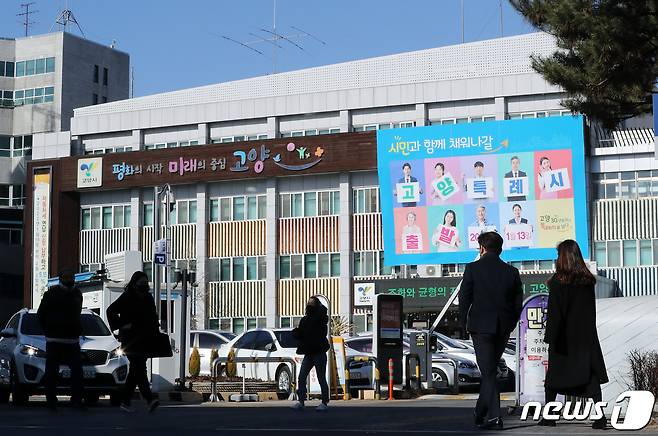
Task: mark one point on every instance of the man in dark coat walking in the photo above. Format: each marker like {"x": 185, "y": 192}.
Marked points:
{"x": 490, "y": 301}
{"x": 59, "y": 315}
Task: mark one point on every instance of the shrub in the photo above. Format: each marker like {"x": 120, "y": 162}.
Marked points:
{"x": 214, "y": 355}
{"x": 195, "y": 363}
{"x": 230, "y": 365}
{"x": 643, "y": 370}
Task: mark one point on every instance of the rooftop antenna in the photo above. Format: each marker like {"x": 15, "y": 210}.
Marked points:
{"x": 26, "y": 14}
{"x": 64, "y": 18}
{"x": 462, "y": 19}
{"x": 500, "y": 6}
{"x": 275, "y": 38}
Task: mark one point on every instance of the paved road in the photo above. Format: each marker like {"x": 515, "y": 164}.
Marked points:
{"x": 423, "y": 416}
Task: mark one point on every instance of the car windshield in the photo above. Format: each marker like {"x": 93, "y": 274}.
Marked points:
{"x": 92, "y": 325}
{"x": 228, "y": 335}
{"x": 451, "y": 342}
{"x": 286, "y": 338}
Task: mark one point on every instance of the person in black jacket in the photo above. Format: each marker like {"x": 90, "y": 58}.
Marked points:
{"x": 133, "y": 314}
{"x": 575, "y": 360}
{"x": 313, "y": 344}
{"x": 490, "y": 301}
{"x": 59, "y": 315}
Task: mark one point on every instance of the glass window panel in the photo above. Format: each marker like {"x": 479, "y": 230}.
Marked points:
{"x": 262, "y": 207}
{"x": 644, "y": 188}
{"x": 225, "y": 270}
{"x": 612, "y": 190}
{"x": 20, "y": 69}
{"x": 335, "y": 203}
{"x": 600, "y": 254}
{"x": 95, "y": 218}
{"x": 360, "y": 201}
{"x": 148, "y": 214}
{"x": 86, "y": 219}
{"x": 284, "y": 267}
{"x": 614, "y": 253}
{"x": 40, "y": 66}
{"x": 645, "y": 252}
{"x": 324, "y": 265}
{"x": 655, "y": 251}
{"x": 628, "y": 189}
{"x": 252, "y": 207}
{"x": 357, "y": 264}
{"x": 214, "y": 210}
{"x": 252, "y": 268}
{"x": 238, "y": 325}
{"x": 212, "y": 273}
{"x": 335, "y": 265}
{"x": 310, "y": 270}
{"x": 310, "y": 204}
{"x": 50, "y": 65}
{"x": 118, "y": 217}
{"x": 225, "y": 209}
{"x": 182, "y": 212}
{"x": 285, "y": 205}
{"x": 296, "y": 203}
{"x": 368, "y": 263}
{"x": 126, "y": 216}
{"x": 324, "y": 203}
{"x": 262, "y": 268}
{"x": 461, "y": 121}
{"x": 29, "y": 67}
{"x": 238, "y": 208}
{"x": 107, "y": 217}
{"x": 192, "y": 212}
{"x": 311, "y": 132}
{"x": 630, "y": 253}
{"x": 384, "y": 270}
{"x": 296, "y": 266}
{"x": 252, "y": 323}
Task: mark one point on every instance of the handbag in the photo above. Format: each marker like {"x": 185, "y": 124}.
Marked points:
{"x": 160, "y": 346}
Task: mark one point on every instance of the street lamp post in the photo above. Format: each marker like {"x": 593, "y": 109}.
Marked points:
{"x": 158, "y": 191}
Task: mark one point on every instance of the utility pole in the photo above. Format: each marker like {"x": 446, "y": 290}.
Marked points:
{"x": 26, "y": 14}
{"x": 500, "y": 6}
{"x": 462, "y": 14}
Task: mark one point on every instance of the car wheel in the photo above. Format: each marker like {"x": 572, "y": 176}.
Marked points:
{"x": 19, "y": 397}
{"x": 115, "y": 399}
{"x": 439, "y": 378}
{"x": 4, "y": 395}
{"x": 91, "y": 399}
{"x": 283, "y": 382}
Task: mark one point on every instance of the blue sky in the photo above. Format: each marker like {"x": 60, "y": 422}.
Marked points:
{"x": 176, "y": 44}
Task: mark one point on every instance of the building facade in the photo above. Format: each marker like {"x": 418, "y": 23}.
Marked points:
{"x": 262, "y": 242}
{"x": 42, "y": 79}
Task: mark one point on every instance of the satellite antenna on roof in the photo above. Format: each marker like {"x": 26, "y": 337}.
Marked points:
{"x": 275, "y": 39}
{"x": 65, "y": 18}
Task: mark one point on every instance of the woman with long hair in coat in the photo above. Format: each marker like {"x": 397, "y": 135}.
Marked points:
{"x": 133, "y": 314}
{"x": 575, "y": 360}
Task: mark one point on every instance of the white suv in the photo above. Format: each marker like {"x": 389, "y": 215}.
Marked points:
{"x": 23, "y": 359}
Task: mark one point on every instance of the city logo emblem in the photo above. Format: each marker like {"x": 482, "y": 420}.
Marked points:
{"x": 364, "y": 294}
{"x": 90, "y": 172}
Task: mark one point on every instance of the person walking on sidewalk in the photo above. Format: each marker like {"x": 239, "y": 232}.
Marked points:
{"x": 490, "y": 302}
{"x": 575, "y": 360}
{"x": 59, "y": 316}
{"x": 313, "y": 344}
{"x": 133, "y": 315}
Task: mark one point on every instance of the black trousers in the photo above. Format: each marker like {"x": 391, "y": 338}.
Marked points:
{"x": 137, "y": 378}
{"x": 63, "y": 354}
{"x": 488, "y": 351}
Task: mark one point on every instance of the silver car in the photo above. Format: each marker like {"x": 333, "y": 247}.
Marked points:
{"x": 23, "y": 359}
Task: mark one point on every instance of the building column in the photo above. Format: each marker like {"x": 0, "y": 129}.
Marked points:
{"x": 271, "y": 257}
{"x": 272, "y": 127}
{"x": 345, "y": 121}
{"x": 421, "y": 114}
{"x": 137, "y": 140}
{"x": 136, "y": 211}
{"x": 201, "y": 257}
{"x": 500, "y": 105}
{"x": 203, "y": 134}
{"x": 345, "y": 247}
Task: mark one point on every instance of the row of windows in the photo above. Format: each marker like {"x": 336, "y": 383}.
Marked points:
{"x": 108, "y": 150}
{"x": 538, "y": 114}
{"x": 238, "y": 138}
{"x": 383, "y": 126}
{"x": 105, "y": 217}
{"x": 34, "y": 96}
{"x": 370, "y": 263}
{"x": 626, "y": 253}
{"x": 463, "y": 120}
{"x": 366, "y": 200}
{"x": 6, "y": 98}
{"x": 309, "y": 266}
{"x": 18, "y": 146}
{"x": 309, "y": 204}
{"x": 27, "y": 68}
{"x": 625, "y": 184}
{"x": 238, "y": 208}
{"x": 236, "y": 269}
{"x": 236, "y": 325}
{"x": 12, "y": 195}
{"x": 96, "y": 74}
{"x": 11, "y": 236}
{"x": 309, "y": 132}
{"x": 174, "y": 144}
{"x": 182, "y": 212}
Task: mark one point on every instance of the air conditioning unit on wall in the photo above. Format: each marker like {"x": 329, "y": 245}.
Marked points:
{"x": 429, "y": 270}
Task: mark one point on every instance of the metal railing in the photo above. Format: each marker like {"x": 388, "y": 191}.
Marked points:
{"x": 219, "y": 360}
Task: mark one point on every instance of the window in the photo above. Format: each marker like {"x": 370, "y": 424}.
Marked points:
{"x": 237, "y": 269}
{"x": 5, "y": 195}
{"x": 50, "y": 65}
{"x": 30, "y": 67}
{"x": 383, "y": 126}
{"x": 107, "y": 217}
{"x": 32, "y": 96}
{"x": 22, "y": 146}
{"x": 309, "y": 204}
{"x": 148, "y": 214}
{"x": 366, "y": 200}
{"x": 225, "y": 270}
{"x": 626, "y": 184}
{"x": 298, "y": 266}
{"x": 185, "y": 212}
{"x": 104, "y": 76}
{"x": 11, "y": 236}
{"x": 5, "y": 146}
{"x": 104, "y": 99}
{"x": 40, "y": 66}
{"x": 95, "y": 73}
{"x": 370, "y": 263}
{"x": 614, "y": 257}
{"x": 310, "y": 261}
{"x": 645, "y": 252}
{"x": 238, "y": 208}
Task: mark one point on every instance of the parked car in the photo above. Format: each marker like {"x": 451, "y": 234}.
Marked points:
{"x": 509, "y": 356}
{"x": 266, "y": 343}
{"x": 442, "y": 373}
{"x": 23, "y": 358}
{"x": 205, "y": 341}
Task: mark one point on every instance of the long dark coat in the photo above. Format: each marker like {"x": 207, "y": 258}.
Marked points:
{"x": 134, "y": 315}
{"x": 575, "y": 360}
{"x": 312, "y": 332}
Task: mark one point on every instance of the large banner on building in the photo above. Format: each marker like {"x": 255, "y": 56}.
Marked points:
{"x": 441, "y": 186}
{"x": 40, "y": 234}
